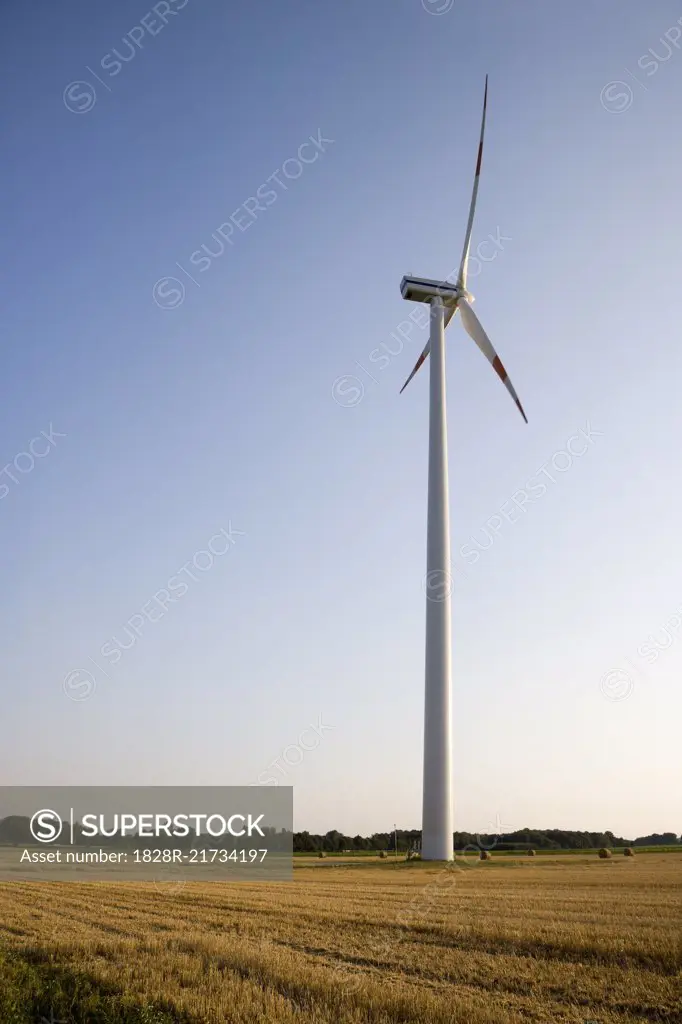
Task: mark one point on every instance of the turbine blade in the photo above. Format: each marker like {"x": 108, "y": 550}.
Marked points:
{"x": 422, "y": 359}
{"x": 462, "y": 279}
{"x": 449, "y": 313}
{"x": 473, "y": 327}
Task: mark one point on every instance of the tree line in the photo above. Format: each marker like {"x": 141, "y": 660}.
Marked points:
{"x": 522, "y": 839}
{"x": 14, "y": 830}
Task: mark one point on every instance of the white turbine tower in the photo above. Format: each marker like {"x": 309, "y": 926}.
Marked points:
{"x": 444, "y": 299}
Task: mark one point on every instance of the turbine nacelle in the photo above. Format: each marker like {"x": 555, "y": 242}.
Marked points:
{"x": 421, "y": 289}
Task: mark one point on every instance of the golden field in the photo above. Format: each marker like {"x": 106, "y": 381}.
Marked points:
{"x": 545, "y": 940}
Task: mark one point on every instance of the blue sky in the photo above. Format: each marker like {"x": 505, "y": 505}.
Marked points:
{"x": 171, "y": 421}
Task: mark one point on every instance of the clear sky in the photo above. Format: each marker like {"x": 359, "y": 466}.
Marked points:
{"x": 233, "y": 409}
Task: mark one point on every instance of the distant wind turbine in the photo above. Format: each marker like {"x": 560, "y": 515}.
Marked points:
{"x": 444, "y": 299}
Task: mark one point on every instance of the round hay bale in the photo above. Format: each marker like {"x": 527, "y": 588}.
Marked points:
{"x": 628, "y": 852}
{"x": 531, "y": 853}
{"x": 485, "y": 855}
{"x": 604, "y": 853}
{"x": 321, "y": 854}
{"x": 382, "y": 854}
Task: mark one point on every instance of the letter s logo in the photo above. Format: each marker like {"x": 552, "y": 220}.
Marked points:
{"x": 46, "y": 826}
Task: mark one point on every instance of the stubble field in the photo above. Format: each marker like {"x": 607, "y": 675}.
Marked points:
{"x": 544, "y": 940}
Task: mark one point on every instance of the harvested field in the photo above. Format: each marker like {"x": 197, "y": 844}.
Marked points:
{"x": 536, "y": 940}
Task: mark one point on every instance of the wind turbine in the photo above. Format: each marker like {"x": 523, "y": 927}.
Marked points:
{"x": 444, "y": 299}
